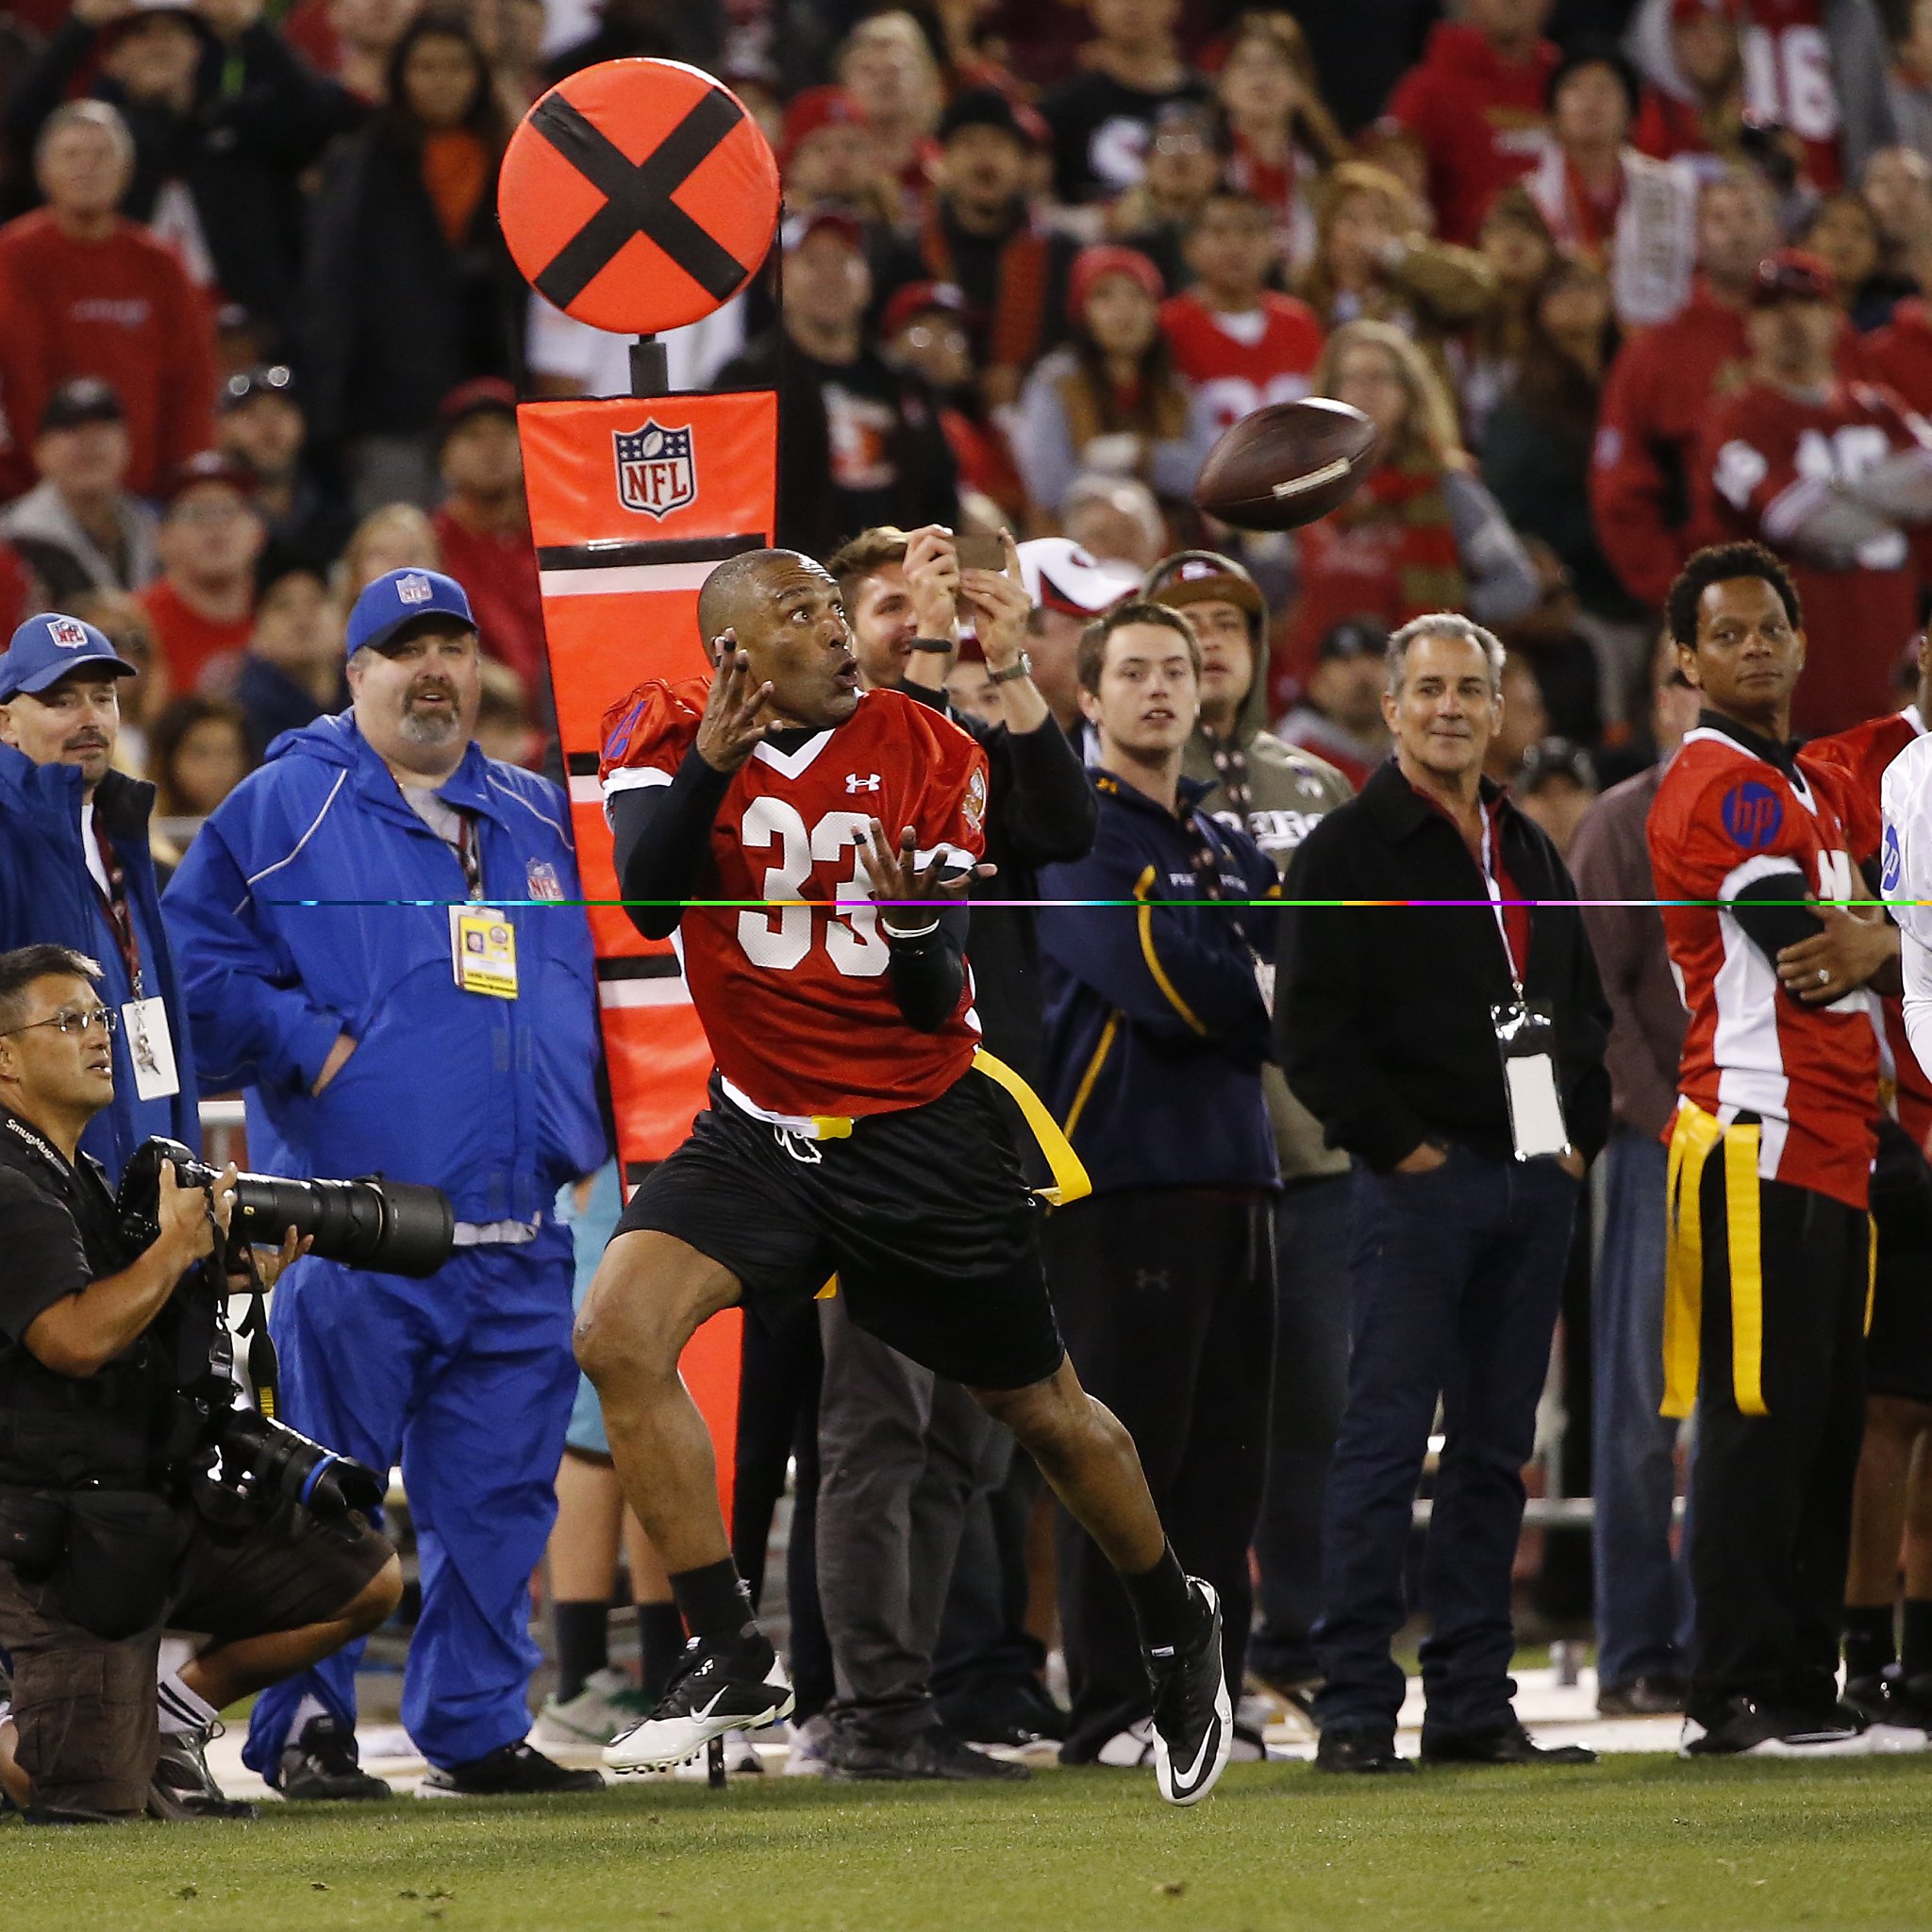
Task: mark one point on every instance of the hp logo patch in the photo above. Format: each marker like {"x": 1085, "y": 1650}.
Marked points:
{"x": 1753, "y": 814}
{"x": 656, "y": 473}
{"x": 1892, "y": 867}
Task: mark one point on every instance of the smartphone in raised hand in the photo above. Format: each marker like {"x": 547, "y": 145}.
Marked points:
{"x": 980, "y": 553}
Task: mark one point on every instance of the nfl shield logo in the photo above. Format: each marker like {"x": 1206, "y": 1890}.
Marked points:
{"x": 68, "y": 634}
{"x": 541, "y": 880}
{"x": 655, "y": 472}
{"x": 414, "y": 590}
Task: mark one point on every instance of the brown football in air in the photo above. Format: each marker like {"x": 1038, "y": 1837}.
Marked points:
{"x": 1286, "y": 465}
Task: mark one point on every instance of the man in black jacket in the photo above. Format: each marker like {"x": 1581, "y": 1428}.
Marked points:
{"x": 903, "y": 1452}
{"x": 1448, "y": 1030}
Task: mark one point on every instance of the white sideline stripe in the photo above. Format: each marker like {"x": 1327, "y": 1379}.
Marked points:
{"x": 624, "y": 579}
{"x": 643, "y": 993}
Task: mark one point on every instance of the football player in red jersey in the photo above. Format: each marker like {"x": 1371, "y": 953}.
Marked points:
{"x": 1892, "y": 1499}
{"x": 1771, "y": 1155}
{"x": 847, "y": 1134}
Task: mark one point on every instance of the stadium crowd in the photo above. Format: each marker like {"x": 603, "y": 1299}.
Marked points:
{"x": 1614, "y": 282}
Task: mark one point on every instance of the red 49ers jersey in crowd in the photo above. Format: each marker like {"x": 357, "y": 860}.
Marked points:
{"x": 1238, "y": 363}
{"x": 1768, "y": 459}
{"x": 795, "y": 999}
{"x": 1857, "y": 760}
{"x": 1789, "y": 80}
{"x": 1724, "y": 818}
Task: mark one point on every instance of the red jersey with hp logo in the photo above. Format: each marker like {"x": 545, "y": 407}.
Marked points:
{"x": 1725, "y": 819}
{"x": 795, "y": 997}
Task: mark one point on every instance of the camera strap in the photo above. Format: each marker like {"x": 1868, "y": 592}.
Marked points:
{"x": 263, "y": 1368}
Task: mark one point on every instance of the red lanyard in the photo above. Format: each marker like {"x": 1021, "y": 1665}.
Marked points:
{"x": 114, "y": 906}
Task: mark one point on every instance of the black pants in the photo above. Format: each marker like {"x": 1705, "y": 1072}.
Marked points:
{"x": 1165, "y": 1300}
{"x": 901, "y": 1453}
{"x": 1771, "y": 1507}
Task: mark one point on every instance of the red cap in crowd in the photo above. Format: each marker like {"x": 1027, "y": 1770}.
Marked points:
{"x": 207, "y": 466}
{"x": 825, "y": 221}
{"x": 1731, "y": 11}
{"x": 1792, "y": 275}
{"x": 1095, "y": 264}
{"x": 472, "y": 398}
{"x": 921, "y": 298}
{"x": 817, "y": 107}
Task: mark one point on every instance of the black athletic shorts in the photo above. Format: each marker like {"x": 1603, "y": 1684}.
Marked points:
{"x": 1898, "y": 1349}
{"x": 923, "y": 1214}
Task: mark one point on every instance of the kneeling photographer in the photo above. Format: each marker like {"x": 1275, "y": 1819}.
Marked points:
{"x": 134, "y": 1495}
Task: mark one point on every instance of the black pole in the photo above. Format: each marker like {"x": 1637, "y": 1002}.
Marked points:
{"x": 650, "y": 368}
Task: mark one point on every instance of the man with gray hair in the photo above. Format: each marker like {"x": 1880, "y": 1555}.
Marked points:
{"x": 1438, "y": 1011}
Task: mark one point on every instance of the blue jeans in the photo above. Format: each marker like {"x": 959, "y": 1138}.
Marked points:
{"x": 1642, "y": 1591}
{"x": 1310, "y": 1381}
{"x": 1456, "y": 1278}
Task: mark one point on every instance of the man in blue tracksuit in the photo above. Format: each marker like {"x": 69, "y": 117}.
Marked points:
{"x": 75, "y": 871}
{"x": 1164, "y": 1279}
{"x": 415, "y": 1019}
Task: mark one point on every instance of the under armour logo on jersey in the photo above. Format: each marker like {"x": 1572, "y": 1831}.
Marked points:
{"x": 855, "y": 783}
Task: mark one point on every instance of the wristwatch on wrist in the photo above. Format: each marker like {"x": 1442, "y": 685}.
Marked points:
{"x": 1022, "y": 666}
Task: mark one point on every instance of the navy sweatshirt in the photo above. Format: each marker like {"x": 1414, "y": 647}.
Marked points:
{"x": 1157, "y": 1027}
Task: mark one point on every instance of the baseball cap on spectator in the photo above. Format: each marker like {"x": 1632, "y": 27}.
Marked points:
{"x": 817, "y": 107}
{"x": 1792, "y": 275}
{"x": 1682, "y": 10}
{"x": 1060, "y": 576}
{"x": 399, "y": 598}
{"x": 1195, "y": 576}
{"x": 264, "y": 379}
{"x": 1354, "y": 637}
{"x": 823, "y": 221}
{"x": 207, "y": 466}
{"x": 45, "y": 648}
{"x": 1555, "y": 758}
{"x": 84, "y": 399}
{"x": 1094, "y": 264}
{"x": 481, "y": 395}
{"x": 921, "y": 298}
{"x": 987, "y": 107}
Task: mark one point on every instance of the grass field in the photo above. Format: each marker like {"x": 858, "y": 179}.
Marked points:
{"x": 1637, "y": 1841}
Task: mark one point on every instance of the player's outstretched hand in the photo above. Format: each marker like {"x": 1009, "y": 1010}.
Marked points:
{"x": 898, "y": 876}
{"x": 737, "y": 714}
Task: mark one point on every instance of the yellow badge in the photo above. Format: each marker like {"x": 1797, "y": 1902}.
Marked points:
{"x": 483, "y": 951}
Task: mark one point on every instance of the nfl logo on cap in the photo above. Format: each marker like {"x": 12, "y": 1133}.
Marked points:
{"x": 414, "y": 590}
{"x": 68, "y": 632}
{"x": 655, "y": 471}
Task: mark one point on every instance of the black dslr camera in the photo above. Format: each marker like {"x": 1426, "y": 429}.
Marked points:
{"x": 235, "y": 1457}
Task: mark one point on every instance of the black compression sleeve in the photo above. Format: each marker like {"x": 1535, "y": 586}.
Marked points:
{"x": 1772, "y": 913}
{"x": 662, "y": 833}
{"x": 928, "y": 972}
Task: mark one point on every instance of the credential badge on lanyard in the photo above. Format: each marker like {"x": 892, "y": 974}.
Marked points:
{"x": 1526, "y": 1042}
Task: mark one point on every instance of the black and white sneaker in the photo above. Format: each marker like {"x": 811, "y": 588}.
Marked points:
{"x": 729, "y": 1684}
{"x": 1746, "y": 1729}
{"x": 1194, "y": 1716}
{"x": 322, "y": 1765}
{"x": 183, "y": 1787}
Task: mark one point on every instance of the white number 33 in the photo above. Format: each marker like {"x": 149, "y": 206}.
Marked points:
{"x": 780, "y": 935}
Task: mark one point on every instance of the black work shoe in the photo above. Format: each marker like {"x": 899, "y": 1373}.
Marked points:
{"x": 1508, "y": 1743}
{"x": 1015, "y": 1714}
{"x": 1658, "y": 1693}
{"x": 321, "y": 1764}
{"x": 512, "y": 1770}
{"x": 933, "y": 1753}
{"x": 1743, "y": 1727}
{"x": 722, "y": 1684}
{"x": 1365, "y": 1752}
{"x": 1193, "y": 1717}
{"x": 183, "y": 1787}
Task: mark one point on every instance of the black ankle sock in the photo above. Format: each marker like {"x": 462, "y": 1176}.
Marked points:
{"x": 713, "y": 1599}
{"x": 1868, "y": 1638}
{"x": 660, "y": 1643}
{"x": 1915, "y": 1651}
{"x": 1163, "y": 1605}
{"x": 583, "y": 1644}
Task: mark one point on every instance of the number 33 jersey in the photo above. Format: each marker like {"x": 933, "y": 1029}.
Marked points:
{"x": 795, "y": 997}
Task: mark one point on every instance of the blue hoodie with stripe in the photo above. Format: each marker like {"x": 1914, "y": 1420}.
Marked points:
{"x": 1157, "y": 1024}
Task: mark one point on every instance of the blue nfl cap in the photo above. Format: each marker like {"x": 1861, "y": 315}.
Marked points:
{"x": 45, "y": 648}
{"x": 400, "y": 598}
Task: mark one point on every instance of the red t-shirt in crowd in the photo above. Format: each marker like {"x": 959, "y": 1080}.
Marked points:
{"x": 1789, "y": 80}
{"x": 795, "y": 999}
{"x": 1238, "y": 363}
{"x": 1723, "y": 818}
{"x": 1478, "y": 117}
{"x": 497, "y": 569}
{"x": 122, "y": 309}
{"x": 1765, "y": 459}
{"x": 187, "y": 641}
{"x": 1900, "y": 354}
{"x": 1857, "y": 759}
